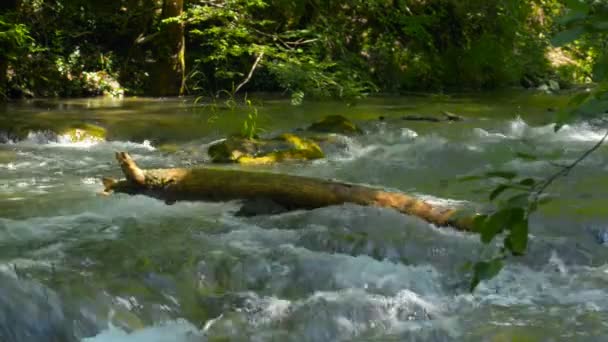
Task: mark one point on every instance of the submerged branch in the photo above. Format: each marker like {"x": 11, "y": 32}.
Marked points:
{"x": 567, "y": 168}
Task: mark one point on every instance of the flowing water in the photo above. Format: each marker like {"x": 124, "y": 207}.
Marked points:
{"x": 76, "y": 266}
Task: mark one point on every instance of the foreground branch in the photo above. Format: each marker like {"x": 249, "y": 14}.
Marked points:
{"x": 292, "y": 192}
{"x": 567, "y": 168}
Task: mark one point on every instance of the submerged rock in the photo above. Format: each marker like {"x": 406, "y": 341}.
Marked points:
{"x": 446, "y": 116}
{"x": 264, "y": 151}
{"x": 335, "y": 124}
{"x": 31, "y": 312}
{"x": 414, "y": 117}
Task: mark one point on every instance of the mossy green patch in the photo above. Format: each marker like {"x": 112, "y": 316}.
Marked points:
{"x": 84, "y": 132}
{"x": 335, "y": 124}
{"x": 286, "y": 147}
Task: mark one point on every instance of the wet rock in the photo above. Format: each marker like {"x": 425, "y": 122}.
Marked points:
{"x": 415, "y": 117}
{"x": 335, "y": 124}
{"x": 553, "y": 85}
{"x": 449, "y": 116}
{"x": 285, "y": 147}
{"x": 543, "y": 87}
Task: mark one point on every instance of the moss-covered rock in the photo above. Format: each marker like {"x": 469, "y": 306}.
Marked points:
{"x": 84, "y": 132}
{"x": 335, "y": 124}
{"x": 264, "y": 151}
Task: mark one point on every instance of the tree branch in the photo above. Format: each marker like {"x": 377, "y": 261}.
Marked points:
{"x": 255, "y": 65}
{"x": 567, "y": 168}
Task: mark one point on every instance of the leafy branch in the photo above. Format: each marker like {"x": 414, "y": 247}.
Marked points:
{"x": 513, "y": 214}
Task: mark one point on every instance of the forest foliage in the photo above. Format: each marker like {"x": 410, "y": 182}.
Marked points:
{"x": 304, "y": 48}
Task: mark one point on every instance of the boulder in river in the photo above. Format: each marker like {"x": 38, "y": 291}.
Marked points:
{"x": 335, "y": 124}
{"x": 264, "y": 151}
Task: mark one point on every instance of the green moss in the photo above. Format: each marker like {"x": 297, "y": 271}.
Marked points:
{"x": 285, "y": 147}
{"x": 335, "y": 124}
{"x": 84, "y": 132}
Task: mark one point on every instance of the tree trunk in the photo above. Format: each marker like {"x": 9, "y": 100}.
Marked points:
{"x": 5, "y": 6}
{"x": 293, "y": 192}
{"x": 3, "y": 71}
{"x": 169, "y": 69}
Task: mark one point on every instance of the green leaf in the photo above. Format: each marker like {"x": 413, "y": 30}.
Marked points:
{"x": 561, "y": 118}
{"x": 544, "y": 199}
{"x": 593, "y": 107}
{"x": 527, "y": 182}
{"x": 518, "y": 201}
{"x": 577, "y": 5}
{"x": 470, "y": 178}
{"x": 497, "y": 191}
{"x": 579, "y": 98}
{"x": 573, "y": 16}
{"x": 499, "y": 221}
{"x": 494, "y": 225}
{"x": 478, "y": 223}
{"x": 567, "y": 36}
{"x": 466, "y": 267}
{"x": 485, "y": 270}
{"x": 502, "y": 174}
{"x": 517, "y": 240}
{"x": 526, "y": 156}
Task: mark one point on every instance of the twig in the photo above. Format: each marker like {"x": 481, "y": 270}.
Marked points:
{"x": 302, "y": 42}
{"x": 144, "y": 39}
{"x": 255, "y": 65}
{"x": 567, "y": 168}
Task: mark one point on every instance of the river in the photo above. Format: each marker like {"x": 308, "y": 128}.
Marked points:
{"x": 76, "y": 266}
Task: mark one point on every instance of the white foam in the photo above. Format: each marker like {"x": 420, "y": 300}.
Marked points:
{"x": 581, "y": 132}
{"x": 174, "y": 331}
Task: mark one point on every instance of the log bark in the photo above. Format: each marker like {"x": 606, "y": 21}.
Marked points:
{"x": 292, "y": 192}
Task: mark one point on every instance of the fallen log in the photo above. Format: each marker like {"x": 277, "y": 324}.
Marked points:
{"x": 292, "y": 192}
